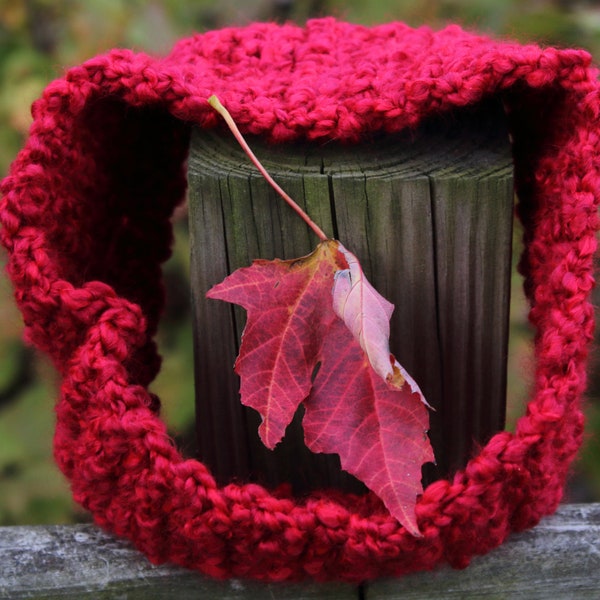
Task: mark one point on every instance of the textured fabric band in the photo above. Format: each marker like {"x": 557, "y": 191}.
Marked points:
{"x": 85, "y": 213}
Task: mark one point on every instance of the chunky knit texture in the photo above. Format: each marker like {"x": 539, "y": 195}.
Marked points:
{"x": 85, "y": 213}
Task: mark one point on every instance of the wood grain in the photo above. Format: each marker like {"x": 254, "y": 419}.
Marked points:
{"x": 429, "y": 215}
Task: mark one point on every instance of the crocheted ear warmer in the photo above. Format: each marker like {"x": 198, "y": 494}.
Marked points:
{"x": 85, "y": 214}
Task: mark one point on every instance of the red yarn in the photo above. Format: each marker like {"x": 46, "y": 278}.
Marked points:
{"x": 85, "y": 215}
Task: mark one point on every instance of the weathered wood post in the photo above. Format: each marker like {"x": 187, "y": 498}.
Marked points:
{"x": 429, "y": 215}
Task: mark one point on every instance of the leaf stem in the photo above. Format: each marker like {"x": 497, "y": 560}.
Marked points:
{"x": 216, "y": 104}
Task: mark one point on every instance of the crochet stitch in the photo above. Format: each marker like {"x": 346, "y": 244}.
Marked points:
{"x": 85, "y": 213}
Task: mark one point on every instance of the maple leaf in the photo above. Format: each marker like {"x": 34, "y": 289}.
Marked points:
{"x": 288, "y": 312}
{"x": 379, "y": 433}
{"x": 320, "y": 310}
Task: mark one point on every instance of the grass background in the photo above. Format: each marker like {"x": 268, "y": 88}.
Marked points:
{"x": 40, "y": 38}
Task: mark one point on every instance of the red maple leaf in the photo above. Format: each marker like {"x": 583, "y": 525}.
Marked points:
{"x": 319, "y": 312}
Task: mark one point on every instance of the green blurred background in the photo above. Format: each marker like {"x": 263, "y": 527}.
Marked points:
{"x": 40, "y": 38}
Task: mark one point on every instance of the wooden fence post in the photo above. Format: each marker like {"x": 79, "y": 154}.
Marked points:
{"x": 429, "y": 215}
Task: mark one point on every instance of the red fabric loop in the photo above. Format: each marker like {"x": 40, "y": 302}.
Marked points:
{"x": 85, "y": 212}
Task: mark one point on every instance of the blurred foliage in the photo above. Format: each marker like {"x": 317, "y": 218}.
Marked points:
{"x": 39, "y": 38}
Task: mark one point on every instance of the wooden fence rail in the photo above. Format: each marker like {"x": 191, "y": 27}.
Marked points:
{"x": 559, "y": 559}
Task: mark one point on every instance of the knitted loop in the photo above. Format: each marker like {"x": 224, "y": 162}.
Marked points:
{"x": 85, "y": 214}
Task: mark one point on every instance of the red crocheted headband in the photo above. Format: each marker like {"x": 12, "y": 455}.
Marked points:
{"x": 85, "y": 215}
